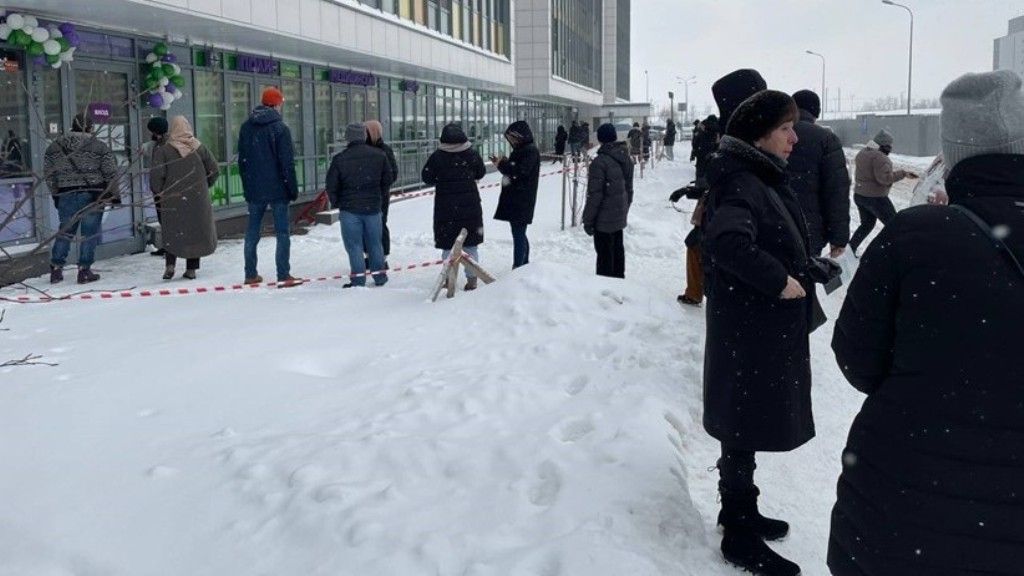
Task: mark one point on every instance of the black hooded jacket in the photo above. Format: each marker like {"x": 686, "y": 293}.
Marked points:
{"x": 819, "y": 176}
{"x": 359, "y": 178}
{"x": 521, "y": 172}
{"x": 609, "y": 189}
{"x": 456, "y": 197}
{"x": 931, "y": 331}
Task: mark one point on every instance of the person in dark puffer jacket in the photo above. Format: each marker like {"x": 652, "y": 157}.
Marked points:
{"x": 609, "y": 196}
{"x": 819, "y": 176}
{"x": 453, "y": 169}
{"x": 81, "y": 172}
{"x": 266, "y": 163}
{"x": 757, "y": 371}
{"x": 375, "y": 138}
{"x": 355, "y": 183}
{"x": 933, "y": 470}
{"x": 521, "y": 171}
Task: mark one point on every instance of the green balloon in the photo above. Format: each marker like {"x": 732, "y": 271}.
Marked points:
{"x": 64, "y": 44}
{"x": 53, "y": 58}
{"x": 152, "y": 84}
{"x": 35, "y": 49}
{"x": 168, "y": 70}
{"x": 160, "y": 49}
{"x": 23, "y": 39}
{"x": 158, "y": 72}
{"x": 178, "y": 80}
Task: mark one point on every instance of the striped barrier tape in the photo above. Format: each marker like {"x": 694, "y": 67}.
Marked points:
{"x": 120, "y": 294}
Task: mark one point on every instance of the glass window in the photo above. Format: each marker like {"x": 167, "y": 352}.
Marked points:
{"x": 210, "y": 125}
{"x": 15, "y": 158}
{"x": 405, "y": 9}
{"x": 241, "y": 106}
{"x": 322, "y": 123}
{"x": 372, "y": 104}
{"x": 341, "y": 117}
{"x": 388, "y": 6}
{"x": 397, "y": 118}
{"x": 358, "y": 105}
{"x": 292, "y": 111}
{"x": 457, "y": 20}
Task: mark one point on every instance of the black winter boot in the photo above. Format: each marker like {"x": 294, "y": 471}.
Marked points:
{"x": 739, "y": 510}
{"x": 746, "y": 549}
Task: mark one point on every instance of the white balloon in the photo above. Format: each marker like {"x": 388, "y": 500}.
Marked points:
{"x": 51, "y": 47}
{"x": 165, "y": 107}
{"x": 56, "y": 64}
{"x": 28, "y": 29}
{"x": 150, "y": 58}
{"x": 168, "y": 98}
{"x": 55, "y": 32}
{"x": 31, "y": 21}
{"x": 177, "y": 69}
{"x": 16, "y": 21}
{"x": 164, "y": 81}
{"x": 178, "y": 95}
{"x": 5, "y": 31}
{"x": 41, "y": 35}
{"x": 67, "y": 56}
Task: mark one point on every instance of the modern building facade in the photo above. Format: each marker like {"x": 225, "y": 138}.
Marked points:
{"x": 1008, "y": 51}
{"x": 414, "y": 64}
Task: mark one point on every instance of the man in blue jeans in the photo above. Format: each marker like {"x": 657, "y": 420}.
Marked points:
{"x": 81, "y": 173}
{"x": 266, "y": 163}
{"x": 356, "y": 182}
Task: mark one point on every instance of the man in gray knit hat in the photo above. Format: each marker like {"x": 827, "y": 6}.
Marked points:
{"x": 873, "y": 181}
{"x": 355, "y": 183}
{"x": 931, "y": 332}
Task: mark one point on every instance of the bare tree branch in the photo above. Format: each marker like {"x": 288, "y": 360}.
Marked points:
{"x": 28, "y": 360}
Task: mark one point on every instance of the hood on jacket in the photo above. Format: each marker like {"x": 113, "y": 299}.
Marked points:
{"x": 617, "y": 151}
{"x": 264, "y": 115}
{"x": 520, "y": 130}
{"x": 453, "y": 134}
{"x": 735, "y": 155}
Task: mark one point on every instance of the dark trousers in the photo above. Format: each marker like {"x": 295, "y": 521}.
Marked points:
{"x": 190, "y": 263}
{"x": 736, "y": 471}
{"x": 611, "y": 255}
{"x": 871, "y": 211}
{"x": 520, "y": 245}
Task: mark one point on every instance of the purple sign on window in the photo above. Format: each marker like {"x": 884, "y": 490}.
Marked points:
{"x": 355, "y": 78}
{"x": 100, "y": 112}
{"x": 409, "y": 86}
{"x": 256, "y": 64}
{"x": 104, "y": 45}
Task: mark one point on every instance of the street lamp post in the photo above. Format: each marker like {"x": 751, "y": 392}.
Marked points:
{"x": 824, "y": 96}
{"x": 910, "y": 66}
{"x": 686, "y": 93}
{"x": 647, "y": 79}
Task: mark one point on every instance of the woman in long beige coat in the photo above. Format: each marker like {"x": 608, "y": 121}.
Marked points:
{"x": 183, "y": 171}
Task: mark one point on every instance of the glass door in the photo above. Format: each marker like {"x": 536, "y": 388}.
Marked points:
{"x": 106, "y": 90}
{"x": 240, "y": 106}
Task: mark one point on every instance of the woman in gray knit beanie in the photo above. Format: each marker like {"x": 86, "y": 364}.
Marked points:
{"x": 931, "y": 328}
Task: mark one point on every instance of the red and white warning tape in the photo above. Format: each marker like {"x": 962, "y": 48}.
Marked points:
{"x": 202, "y": 289}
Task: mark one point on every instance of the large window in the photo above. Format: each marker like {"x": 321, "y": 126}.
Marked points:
{"x": 576, "y": 41}
{"x": 210, "y": 121}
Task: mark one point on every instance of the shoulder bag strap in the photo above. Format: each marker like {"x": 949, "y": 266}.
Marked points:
{"x": 980, "y": 223}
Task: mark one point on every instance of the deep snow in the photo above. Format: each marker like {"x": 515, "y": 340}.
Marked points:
{"x": 548, "y": 424}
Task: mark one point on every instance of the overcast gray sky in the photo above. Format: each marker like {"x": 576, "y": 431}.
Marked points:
{"x": 864, "y": 43}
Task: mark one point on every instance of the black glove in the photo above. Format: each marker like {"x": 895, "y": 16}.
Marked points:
{"x": 588, "y": 229}
{"x": 677, "y": 195}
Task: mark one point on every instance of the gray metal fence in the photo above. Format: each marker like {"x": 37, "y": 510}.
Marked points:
{"x": 917, "y": 135}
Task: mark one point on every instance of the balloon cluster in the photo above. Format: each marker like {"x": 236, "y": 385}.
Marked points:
{"x": 162, "y": 78}
{"x": 53, "y": 44}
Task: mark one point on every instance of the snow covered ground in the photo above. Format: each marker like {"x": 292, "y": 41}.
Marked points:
{"x": 548, "y": 424}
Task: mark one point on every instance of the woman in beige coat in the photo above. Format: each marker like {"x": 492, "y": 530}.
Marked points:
{"x": 183, "y": 171}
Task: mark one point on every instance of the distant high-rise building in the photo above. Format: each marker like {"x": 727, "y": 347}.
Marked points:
{"x": 1008, "y": 53}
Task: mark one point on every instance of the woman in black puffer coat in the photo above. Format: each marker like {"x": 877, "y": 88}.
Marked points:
{"x": 453, "y": 169}
{"x": 931, "y": 331}
{"x": 757, "y": 373}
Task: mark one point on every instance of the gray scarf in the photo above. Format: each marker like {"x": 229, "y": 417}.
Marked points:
{"x": 454, "y": 148}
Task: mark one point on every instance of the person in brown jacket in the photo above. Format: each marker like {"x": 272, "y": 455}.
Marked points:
{"x": 183, "y": 171}
{"x": 874, "y": 178}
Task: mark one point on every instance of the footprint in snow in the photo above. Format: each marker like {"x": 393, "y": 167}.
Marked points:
{"x": 576, "y": 430}
{"x": 549, "y": 484}
{"x": 577, "y": 385}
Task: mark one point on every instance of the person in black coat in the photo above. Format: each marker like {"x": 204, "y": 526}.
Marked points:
{"x": 453, "y": 169}
{"x": 704, "y": 145}
{"x": 356, "y": 181}
{"x": 669, "y": 140}
{"x": 561, "y": 137}
{"x": 933, "y": 470}
{"x": 575, "y": 138}
{"x": 820, "y": 178}
{"x": 518, "y": 198}
{"x": 609, "y": 196}
{"x": 375, "y": 138}
{"x": 757, "y": 373}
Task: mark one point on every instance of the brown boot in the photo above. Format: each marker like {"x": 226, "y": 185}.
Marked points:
{"x": 470, "y": 284}
{"x": 257, "y": 279}
{"x": 168, "y": 272}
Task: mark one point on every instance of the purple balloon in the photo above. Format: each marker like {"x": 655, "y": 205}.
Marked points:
{"x": 39, "y": 60}
{"x": 66, "y": 29}
{"x": 73, "y": 39}
{"x": 170, "y": 58}
{"x": 156, "y": 100}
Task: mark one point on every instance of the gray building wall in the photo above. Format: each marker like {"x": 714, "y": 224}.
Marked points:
{"x": 912, "y": 135}
{"x": 1008, "y": 51}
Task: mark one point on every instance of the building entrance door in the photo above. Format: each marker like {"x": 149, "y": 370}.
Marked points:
{"x": 106, "y": 92}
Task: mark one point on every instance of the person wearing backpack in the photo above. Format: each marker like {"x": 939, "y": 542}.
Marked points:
{"x": 933, "y": 470}
{"x": 609, "y": 196}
